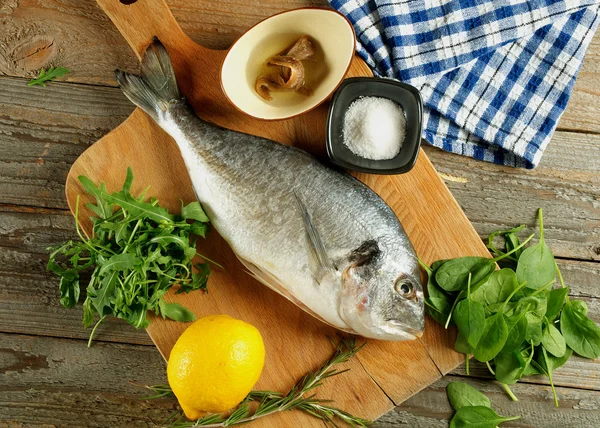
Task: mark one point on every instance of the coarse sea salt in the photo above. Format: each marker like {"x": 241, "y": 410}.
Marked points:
{"x": 374, "y": 128}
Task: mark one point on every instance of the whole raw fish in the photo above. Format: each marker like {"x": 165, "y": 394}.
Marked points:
{"x": 317, "y": 236}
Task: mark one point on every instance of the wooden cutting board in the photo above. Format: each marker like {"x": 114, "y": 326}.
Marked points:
{"x": 384, "y": 373}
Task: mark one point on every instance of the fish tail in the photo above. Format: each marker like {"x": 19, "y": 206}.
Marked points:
{"x": 156, "y": 89}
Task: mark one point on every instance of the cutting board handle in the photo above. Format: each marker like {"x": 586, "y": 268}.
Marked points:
{"x": 140, "y": 20}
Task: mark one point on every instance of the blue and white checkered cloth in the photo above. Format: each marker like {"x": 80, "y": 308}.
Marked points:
{"x": 495, "y": 75}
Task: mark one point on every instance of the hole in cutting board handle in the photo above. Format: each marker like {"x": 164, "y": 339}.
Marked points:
{"x": 128, "y": 2}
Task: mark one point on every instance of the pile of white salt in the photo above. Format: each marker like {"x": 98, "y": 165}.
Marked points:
{"x": 374, "y": 128}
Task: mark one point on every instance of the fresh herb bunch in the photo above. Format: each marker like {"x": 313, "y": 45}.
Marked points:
{"x": 137, "y": 252}
{"x": 269, "y": 402}
{"x": 47, "y": 76}
{"x": 511, "y": 318}
{"x": 472, "y": 408}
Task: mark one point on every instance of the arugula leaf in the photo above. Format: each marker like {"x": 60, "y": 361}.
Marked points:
{"x": 478, "y": 417}
{"x": 143, "y": 209}
{"x": 536, "y": 264}
{"x": 88, "y": 314}
{"x": 176, "y": 312}
{"x": 137, "y": 252}
{"x": 118, "y": 262}
{"x": 461, "y": 394}
{"x": 102, "y": 208}
{"x": 199, "y": 229}
{"x": 69, "y": 289}
{"x": 100, "y": 297}
{"x": 47, "y": 76}
{"x": 193, "y": 211}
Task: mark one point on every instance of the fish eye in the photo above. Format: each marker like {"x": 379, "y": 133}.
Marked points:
{"x": 405, "y": 289}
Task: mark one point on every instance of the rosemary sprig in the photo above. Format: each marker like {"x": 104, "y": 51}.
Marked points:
{"x": 270, "y": 402}
{"x": 160, "y": 391}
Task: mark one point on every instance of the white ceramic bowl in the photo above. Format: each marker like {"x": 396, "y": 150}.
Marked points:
{"x": 333, "y": 38}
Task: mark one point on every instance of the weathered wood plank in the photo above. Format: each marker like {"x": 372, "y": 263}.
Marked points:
{"x": 584, "y": 105}
{"x": 48, "y": 381}
{"x": 42, "y": 131}
{"x": 42, "y": 134}
{"x": 28, "y": 293}
{"x": 59, "y": 382}
{"x": 77, "y": 34}
{"x": 430, "y": 408}
{"x": 578, "y": 372}
{"x": 72, "y": 386}
{"x": 29, "y": 296}
{"x": 566, "y": 185}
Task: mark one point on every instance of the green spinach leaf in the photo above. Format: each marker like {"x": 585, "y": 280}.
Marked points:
{"x": 579, "y": 306}
{"x": 461, "y": 394}
{"x": 495, "y": 333}
{"x": 498, "y": 287}
{"x": 469, "y": 317}
{"x": 507, "y": 367}
{"x": 513, "y": 241}
{"x": 478, "y": 417}
{"x": 556, "y": 300}
{"x": 553, "y": 341}
{"x": 517, "y": 330}
{"x": 453, "y": 274}
{"x": 536, "y": 263}
{"x": 580, "y": 333}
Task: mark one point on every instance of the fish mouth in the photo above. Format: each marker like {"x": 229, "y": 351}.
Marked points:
{"x": 415, "y": 332}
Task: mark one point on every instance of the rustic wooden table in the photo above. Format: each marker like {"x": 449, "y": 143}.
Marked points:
{"x": 47, "y": 375}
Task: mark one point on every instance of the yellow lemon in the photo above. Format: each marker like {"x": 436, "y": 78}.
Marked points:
{"x": 214, "y": 364}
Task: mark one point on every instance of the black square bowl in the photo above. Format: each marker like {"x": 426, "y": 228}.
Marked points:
{"x": 407, "y": 96}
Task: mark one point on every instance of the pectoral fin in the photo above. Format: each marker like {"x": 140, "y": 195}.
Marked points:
{"x": 319, "y": 262}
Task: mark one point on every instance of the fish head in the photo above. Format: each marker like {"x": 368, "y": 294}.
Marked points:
{"x": 382, "y": 295}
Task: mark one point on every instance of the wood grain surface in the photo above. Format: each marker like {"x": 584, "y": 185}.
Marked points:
{"x": 43, "y": 130}
{"x": 385, "y": 373}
